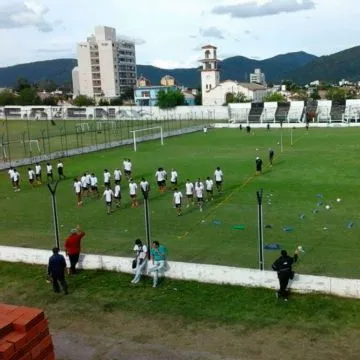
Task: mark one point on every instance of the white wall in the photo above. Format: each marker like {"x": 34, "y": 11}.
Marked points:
{"x": 84, "y": 65}
{"x": 107, "y": 69}
{"x": 198, "y": 272}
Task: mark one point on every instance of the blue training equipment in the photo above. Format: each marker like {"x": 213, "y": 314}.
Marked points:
{"x": 272, "y": 247}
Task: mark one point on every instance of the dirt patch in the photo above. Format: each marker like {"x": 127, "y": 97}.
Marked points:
{"x": 121, "y": 337}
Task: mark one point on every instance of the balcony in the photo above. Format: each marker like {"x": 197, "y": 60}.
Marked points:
{"x": 94, "y": 54}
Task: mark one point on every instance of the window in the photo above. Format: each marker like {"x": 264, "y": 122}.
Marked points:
{"x": 145, "y": 94}
{"x": 207, "y": 54}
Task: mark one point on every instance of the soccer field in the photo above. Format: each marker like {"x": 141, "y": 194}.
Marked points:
{"x": 320, "y": 168}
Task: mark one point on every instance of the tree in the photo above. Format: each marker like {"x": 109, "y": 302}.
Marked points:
{"x": 103, "y": 102}
{"x": 315, "y": 94}
{"x": 46, "y": 85}
{"x": 7, "y": 98}
{"x": 128, "y": 94}
{"x": 275, "y": 97}
{"x": 337, "y": 95}
{"x": 170, "y": 99}
{"x": 198, "y": 98}
{"x": 83, "y": 100}
{"x": 240, "y": 97}
{"x": 118, "y": 101}
{"x": 28, "y": 96}
{"x": 50, "y": 101}
{"x": 21, "y": 83}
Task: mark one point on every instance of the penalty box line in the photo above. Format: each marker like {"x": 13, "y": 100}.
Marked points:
{"x": 224, "y": 201}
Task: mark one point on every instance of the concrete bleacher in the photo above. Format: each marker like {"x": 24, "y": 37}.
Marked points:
{"x": 352, "y": 110}
{"x": 296, "y": 111}
{"x": 269, "y": 112}
{"x": 323, "y": 111}
{"x": 239, "y": 113}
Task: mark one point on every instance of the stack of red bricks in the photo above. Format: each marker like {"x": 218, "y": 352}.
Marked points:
{"x": 24, "y": 334}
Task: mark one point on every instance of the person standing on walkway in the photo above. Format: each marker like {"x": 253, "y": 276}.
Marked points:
{"x": 73, "y": 247}
{"x": 158, "y": 256}
{"x": 56, "y": 271}
{"x": 141, "y": 257}
{"x": 283, "y": 267}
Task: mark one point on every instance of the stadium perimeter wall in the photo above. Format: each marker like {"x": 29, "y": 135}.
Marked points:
{"x": 93, "y": 148}
{"x": 198, "y": 272}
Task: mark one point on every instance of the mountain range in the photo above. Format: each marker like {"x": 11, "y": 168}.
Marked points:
{"x": 300, "y": 67}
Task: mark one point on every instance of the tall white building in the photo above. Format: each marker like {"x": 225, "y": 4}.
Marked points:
{"x": 216, "y": 92}
{"x": 106, "y": 65}
{"x": 258, "y": 77}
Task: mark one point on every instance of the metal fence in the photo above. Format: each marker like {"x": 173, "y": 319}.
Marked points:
{"x": 30, "y": 140}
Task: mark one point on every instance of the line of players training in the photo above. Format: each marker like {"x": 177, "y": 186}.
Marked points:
{"x": 87, "y": 185}
{"x": 35, "y": 175}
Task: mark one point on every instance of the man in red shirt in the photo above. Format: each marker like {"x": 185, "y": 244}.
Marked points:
{"x": 73, "y": 247}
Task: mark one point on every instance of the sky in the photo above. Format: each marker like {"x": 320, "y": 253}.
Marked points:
{"x": 170, "y": 33}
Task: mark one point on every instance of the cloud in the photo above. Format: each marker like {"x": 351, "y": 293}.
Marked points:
{"x": 272, "y": 7}
{"x": 54, "y": 50}
{"x": 192, "y": 36}
{"x": 212, "y": 32}
{"x": 137, "y": 41}
{"x": 27, "y": 13}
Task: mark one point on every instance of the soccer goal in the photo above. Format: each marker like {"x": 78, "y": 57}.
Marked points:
{"x": 82, "y": 127}
{"x": 135, "y": 132}
{"x": 33, "y": 143}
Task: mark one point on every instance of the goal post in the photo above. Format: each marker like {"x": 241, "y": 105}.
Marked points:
{"x": 134, "y": 132}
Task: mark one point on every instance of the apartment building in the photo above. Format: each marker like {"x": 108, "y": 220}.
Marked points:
{"x": 258, "y": 77}
{"x": 106, "y": 65}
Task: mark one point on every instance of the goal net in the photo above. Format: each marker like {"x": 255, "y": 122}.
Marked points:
{"x": 82, "y": 127}
{"x": 152, "y": 132}
{"x": 33, "y": 145}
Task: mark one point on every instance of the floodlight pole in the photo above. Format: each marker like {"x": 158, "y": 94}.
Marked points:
{"x": 55, "y": 216}
{"x": 147, "y": 219}
{"x": 162, "y": 136}
{"x": 291, "y": 136}
{"x": 259, "y": 195}
{"x": 134, "y": 135}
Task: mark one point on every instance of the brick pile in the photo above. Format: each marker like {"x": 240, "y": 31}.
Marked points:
{"x": 24, "y": 334}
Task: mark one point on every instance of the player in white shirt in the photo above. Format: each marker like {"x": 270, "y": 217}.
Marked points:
{"x": 88, "y": 181}
{"x": 132, "y": 192}
{"x": 77, "y": 188}
{"x": 127, "y": 168}
{"x": 199, "y": 193}
{"x": 94, "y": 184}
{"x": 31, "y": 175}
{"x": 38, "y": 173}
{"x": 144, "y": 187}
{"x": 11, "y": 176}
{"x": 160, "y": 176}
{"x": 107, "y": 177}
{"x": 117, "y": 176}
{"x": 209, "y": 185}
{"x": 60, "y": 169}
{"x": 49, "y": 172}
{"x": 84, "y": 185}
{"x": 189, "y": 192}
{"x": 108, "y": 195}
{"x": 174, "y": 178}
{"x": 141, "y": 257}
{"x": 177, "y": 201}
{"x": 117, "y": 195}
{"x": 16, "y": 179}
{"x": 219, "y": 177}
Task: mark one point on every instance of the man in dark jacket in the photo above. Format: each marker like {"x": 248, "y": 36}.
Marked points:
{"x": 271, "y": 156}
{"x": 258, "y": 163}
{"x": 56, "y": 270}
{"x": 283, "y": 266}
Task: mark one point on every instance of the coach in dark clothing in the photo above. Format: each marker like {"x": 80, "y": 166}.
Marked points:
{"x": 283, "y": 266}
{"x": 271, "y": 156}
{"x": 56, "y": 270}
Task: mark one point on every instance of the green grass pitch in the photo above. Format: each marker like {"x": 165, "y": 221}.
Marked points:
{"x": 323, "y": 161}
